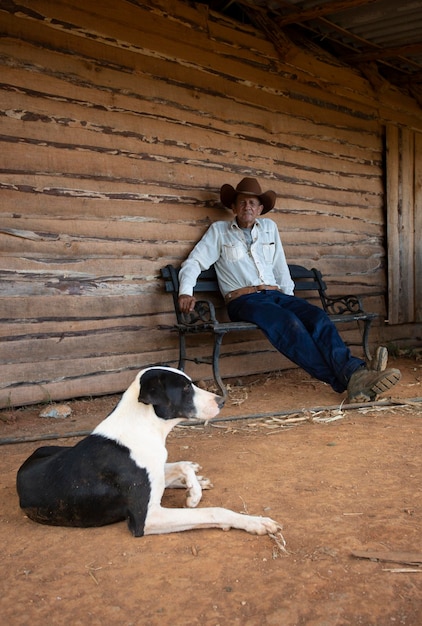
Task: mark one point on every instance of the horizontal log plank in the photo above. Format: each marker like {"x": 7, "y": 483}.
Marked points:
{"x": 120, "y": 125}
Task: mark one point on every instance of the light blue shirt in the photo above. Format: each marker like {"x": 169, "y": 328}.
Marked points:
{"x": 238, "y": 263}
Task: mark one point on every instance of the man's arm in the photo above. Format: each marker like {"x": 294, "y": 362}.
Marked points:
{"x": 281, "y": 268}
{"x": 203, "y": 255}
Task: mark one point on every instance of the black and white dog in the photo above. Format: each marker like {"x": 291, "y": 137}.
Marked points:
{"x": 120, "y": 471}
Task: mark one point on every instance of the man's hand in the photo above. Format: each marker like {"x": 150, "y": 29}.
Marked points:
{"x": 186, "y": 303}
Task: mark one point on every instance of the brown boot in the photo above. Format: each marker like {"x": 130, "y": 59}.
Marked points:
{"x": 364, "y": 385}
{"x": 380, "y": 360}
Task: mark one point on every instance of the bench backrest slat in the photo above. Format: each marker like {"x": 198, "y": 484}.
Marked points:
{"x": 307, "y": 280}
{"x": 304, "y": 279}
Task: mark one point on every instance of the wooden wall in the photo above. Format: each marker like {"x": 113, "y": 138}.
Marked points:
{"x": 119, "y": 123}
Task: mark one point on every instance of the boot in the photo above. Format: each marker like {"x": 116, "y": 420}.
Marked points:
{"x": 364, "y": 385}
{"x": 380, "y": 360}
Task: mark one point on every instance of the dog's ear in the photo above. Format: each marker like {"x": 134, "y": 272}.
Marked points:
{"x": 150, "y": 387}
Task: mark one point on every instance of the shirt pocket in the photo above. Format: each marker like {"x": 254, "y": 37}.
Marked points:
{"x": 233, "y": 252}
{"x": 268, "y": 250}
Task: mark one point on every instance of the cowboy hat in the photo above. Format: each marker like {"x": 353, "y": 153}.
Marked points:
{"x": 249, "y": 187}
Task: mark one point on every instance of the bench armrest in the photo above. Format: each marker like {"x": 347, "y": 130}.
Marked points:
{"x": 203, "y": 314}
{"x": 344, "y": 304}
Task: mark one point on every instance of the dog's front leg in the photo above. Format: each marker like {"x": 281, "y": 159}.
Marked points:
{"x": 161, "y": 520}
{"x": 182, "y": 475}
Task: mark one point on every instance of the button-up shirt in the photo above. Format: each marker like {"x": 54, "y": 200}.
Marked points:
{"x": 239, "y": 261}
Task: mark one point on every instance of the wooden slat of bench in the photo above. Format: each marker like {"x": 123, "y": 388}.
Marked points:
{"x": 221, "y": 327}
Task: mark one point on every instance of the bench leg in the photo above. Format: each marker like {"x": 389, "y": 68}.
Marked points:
{"x": 182, "y": 351}
{"x": 218, "y": 338}
{"x": 365, "y": 340}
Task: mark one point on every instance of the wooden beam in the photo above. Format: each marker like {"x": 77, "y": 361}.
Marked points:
{"x": 418, "y": 227}
{"x": 393, "y": 195}
{"x": 385, "y": 53}
{"x": 407, "y": 221}
{"x": 298, "y": 15}
{"x": 274, "y": 34}
{"x": 371, "y": 73}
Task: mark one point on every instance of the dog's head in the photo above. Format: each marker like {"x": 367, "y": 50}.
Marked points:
{"x": 173, "y": 395}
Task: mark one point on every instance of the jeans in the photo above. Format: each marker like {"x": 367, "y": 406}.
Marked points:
{"x": 302, "y": 332}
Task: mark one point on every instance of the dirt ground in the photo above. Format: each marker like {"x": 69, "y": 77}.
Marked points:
{"x": 345, "y": 484}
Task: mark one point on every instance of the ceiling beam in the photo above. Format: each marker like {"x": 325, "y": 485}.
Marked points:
{"x": 386, "y": 53}
{"x": 283, "y": 45}
{"x": 299, "y": 15}
{"x": 399, "y": 65}
{"x": 373, "y": 52}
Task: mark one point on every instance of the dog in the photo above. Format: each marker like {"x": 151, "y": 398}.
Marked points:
{"x": 119, "y": 471}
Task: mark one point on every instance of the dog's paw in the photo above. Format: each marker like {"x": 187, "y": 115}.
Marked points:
{"x": 183, "y": 475}
{"x": 195, "y": 466}
{"x": 205, "y": 482}
{"x": 262, "y": 525}
{"x": 192, "y": 483}
{"x": 193, "y": 494}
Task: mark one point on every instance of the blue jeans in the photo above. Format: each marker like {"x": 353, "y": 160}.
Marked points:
{"x": 302, "y": 332}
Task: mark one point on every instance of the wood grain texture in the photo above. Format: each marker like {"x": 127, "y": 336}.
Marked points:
{"x": 118, "y": 126}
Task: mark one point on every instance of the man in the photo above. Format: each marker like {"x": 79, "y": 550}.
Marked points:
{"x": 255, "y": 281}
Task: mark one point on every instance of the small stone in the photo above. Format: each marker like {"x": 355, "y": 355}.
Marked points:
{"x": 58, "y": 412}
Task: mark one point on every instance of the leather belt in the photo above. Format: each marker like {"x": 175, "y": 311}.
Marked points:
{"x": 232, "y": 295}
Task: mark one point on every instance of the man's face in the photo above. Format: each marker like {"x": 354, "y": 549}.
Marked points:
{"x": 246, "y": 209}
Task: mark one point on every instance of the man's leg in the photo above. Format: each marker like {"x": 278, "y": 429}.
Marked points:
{"x": 300, "y": 331}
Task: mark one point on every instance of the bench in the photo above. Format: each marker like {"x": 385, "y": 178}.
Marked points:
{"x": 204, "y": 319}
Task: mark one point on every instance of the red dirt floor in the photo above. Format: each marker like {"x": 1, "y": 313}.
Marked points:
{"x": 346, "y": 485}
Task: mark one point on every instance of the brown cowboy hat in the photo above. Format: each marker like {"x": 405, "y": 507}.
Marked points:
{"x": 249, "y": 187}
